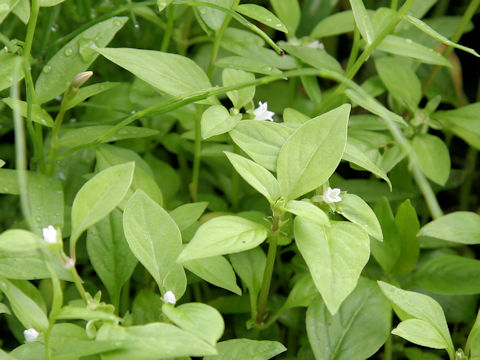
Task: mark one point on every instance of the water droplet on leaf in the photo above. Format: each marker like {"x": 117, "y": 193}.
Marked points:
{"x": 47, "y": 69}
{"x": 68, "y": 52}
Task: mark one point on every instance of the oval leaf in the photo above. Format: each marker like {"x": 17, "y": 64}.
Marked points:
{"x": 334, "y": 255}
{"x": 433, "y": 157}
{"x": 153, "y": 237}
{"x": 311, "y": 155}
{"x": 223, "y": 235}
{"x": 100, "y": 195}
{"x": 462, "y": 227}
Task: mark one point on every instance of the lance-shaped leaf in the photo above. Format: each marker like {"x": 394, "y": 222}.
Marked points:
{"x": 223, "y": 235}
{"x": 334, "y": 255}
{"x": 362, "y": 20}
{"x": 247, "y": 349}
{"x": 431, "y": 329}
{"x": 100, "y": 195}
{"x": 257, "y": 176}
{"x": 462, "y": 227}
{"x": 170, "y": 73}
{"x": 262, "y": 15}
{"x": 312, "y": 153}
{"x": 76, "y": 56}
{"x": 153, "y": 237}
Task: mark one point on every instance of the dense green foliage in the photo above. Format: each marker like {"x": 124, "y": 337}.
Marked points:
{"x": 149, "y": 209}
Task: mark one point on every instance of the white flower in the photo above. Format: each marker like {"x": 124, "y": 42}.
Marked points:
{"x": 332, "y": 195}
{"x": 262, "y": 113}
{"x": 169, "y": 298}
{"x": 30, "y": 335}
{"x": 316, "y": 45}
{"x": 50, "y": 234}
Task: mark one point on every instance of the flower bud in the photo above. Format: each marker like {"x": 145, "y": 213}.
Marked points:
{"x": 169, "y": 298}
{"x": 30, "y": 335}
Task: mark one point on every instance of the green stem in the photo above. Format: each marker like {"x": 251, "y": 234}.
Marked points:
{"x": 267, "y": 275}
{"x": 355, "y": 48}
{"x": 54, "y": 143}
{"x": 30, "y": 90}
{"x": 6, "y": 41}
{"x": 218, "y": 39}
{"x": 388, "y": 349}
{"x": 394, "y": 5}
{"x": 79, "y": 284}
{"x": 178, "y": 102}
{"x": 197, "y": 154}
{"x": 184, "y": 42}
{"x": 467, "y": 16}
{"x": 235, "y": 193}
{"x": 168, "y": 31}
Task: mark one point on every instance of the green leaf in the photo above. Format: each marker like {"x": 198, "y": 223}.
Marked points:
{"x": 418, "y": 306}
{"x": 214, "y": 18}
{"x": 109, "y": 254}
{"x": 288, "y": 12}
{"x": 153, "y": 237}
{"x": 354, "y": 155}
{"x": 406, "y": 47}
{"x": 47, "y": 3}
{"x": 9, "y": 62}
{"x": 433, "y": 157}
{"x": 261, "y": 140}
{"x": 463, "y": 122}
{"x": 240, "y": 97}
{"x": 357, "y": 331}
{"x": 419, "y": 24}
{"x": 238, "y": 349}
{"x": 449, "y": 274}
{"x": 7, "y": 6}
{"x": 216, "y": 270}
{"x": 317, "y": 58}
{"x": 387, "y": 252}
{"x": 45, "y": 196}
{"x": 357, "y": 211}
{"x": 362, "y": 20}
{"x": 100, "y": 195}
{"x": 223, "y": 235}
{"x": 186, "y": 214}
{"x": 199, "y": 319}
{"x": 302, "y": 293}
{"x": 400, "y": 80}
{"x": 108, "y": 155}
{"x": 250, "y": 266}
{"x": 39, "y": 115}
{"x": 2, "y": 163}
{"x": 88, "y": 91}
{"x": 462, "y": 227}
{"x": 22, "y": 10}
{"x": 257, "y": 176}
{"x": 312, "y": 153}
{"x": 88, "y": 134}
{"x": 421, "y": 333}
{"x": 170, "y": 73}
{"x": 24, "y": 302}
{"x": 336, "y": 24}
{"x": 70, "y": 312}
{"x": 408, "y": 225}
{"x": 262, "y": 15}
{"x": 152, "y": 341}
{"x": 216, "y": 120}
{"x": 308, "y": 211}
{"x": 253, "y": 65}
{"x": 19, "y": 240}
{"x": 334, "y": 255}
{"x": 30, "y": 265}
{"x": 76, "y": 56}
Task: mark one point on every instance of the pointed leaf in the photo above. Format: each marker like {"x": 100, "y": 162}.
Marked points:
{"x": 421, "y": 333}
{"x": 362, "y": 20}
{"x": 257, "y": 176}
{"x": 462, "y": 227}
{"x": 199, "y": 319}
{"x": 153, "y": 237}
{"x": 76, "y": 56}
{"x": 223, "y": 235}
{"x": 262, "y": 15}
{"x": 100, "y": 195}
{"x": 312, "y": 153}
{"x": 237, "y": 349}
{"x": 170, "y": 73}
{"x": 308, "y": 211}
{"x": 216, "y": 120}
{"x": 335, "y": 256}
{"x": 39, "y": 115}
{"x": 250, "y": 266}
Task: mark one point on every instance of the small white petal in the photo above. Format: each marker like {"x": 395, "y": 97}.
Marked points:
{"x": 50, "y": 234}
{"x": 332, "y": 195}
{"x": 316, "y": 45}
{"x": 169, "y": 298}
{"x": 261, "y": 113}
{"x": 30, "y": 335}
